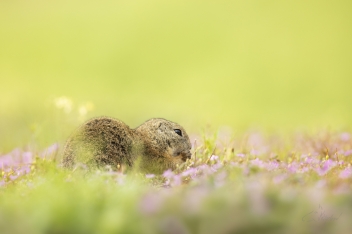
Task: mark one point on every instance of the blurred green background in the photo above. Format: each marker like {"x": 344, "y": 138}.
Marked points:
{"x": 272, "y": 64}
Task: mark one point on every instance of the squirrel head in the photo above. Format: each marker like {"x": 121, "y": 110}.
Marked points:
{"x": 166, "y": 139}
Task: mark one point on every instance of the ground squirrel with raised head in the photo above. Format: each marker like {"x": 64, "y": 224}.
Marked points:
{"x": 157, "y": 144}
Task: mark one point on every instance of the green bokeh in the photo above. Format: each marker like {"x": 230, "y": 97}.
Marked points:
{"x": 272, "y": 64}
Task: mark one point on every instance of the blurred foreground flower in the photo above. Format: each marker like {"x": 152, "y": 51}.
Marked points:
{"x": 346, "y": 173}
{"x": 18, "y": 163}
{"x": 327, "y": 166}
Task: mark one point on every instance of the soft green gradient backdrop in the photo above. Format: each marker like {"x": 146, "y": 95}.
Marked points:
{"x": 273, "y": 64}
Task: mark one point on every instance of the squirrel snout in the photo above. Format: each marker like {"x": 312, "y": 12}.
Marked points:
{"x": 184, "y": 155}
{"x": 187, "y": 155}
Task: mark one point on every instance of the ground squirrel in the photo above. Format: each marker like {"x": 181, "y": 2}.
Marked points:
{"x": 157, "y": 144}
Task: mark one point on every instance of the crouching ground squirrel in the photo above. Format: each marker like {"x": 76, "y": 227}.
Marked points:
{"x": 156, "y": 145}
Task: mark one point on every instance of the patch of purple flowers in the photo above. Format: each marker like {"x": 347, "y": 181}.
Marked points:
{"x": 327, "y": 166}
{"x": 346, "y": 173}
{"x": 18, "y": 163}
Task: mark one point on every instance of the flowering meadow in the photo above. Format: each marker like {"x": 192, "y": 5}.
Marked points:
{"x": 251, "y": 183}
{"x": 263, "y": 89}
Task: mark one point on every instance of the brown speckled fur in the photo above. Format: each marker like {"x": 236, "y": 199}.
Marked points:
{"x": 107, "y": 141}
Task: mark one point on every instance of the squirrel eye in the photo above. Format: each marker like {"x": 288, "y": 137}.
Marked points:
{"x": 178, "y": 131}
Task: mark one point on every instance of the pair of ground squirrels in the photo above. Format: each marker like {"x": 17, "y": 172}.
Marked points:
{"x": 156, "y": 145}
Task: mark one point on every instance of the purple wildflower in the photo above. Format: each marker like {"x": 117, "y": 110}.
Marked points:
{"x": 216, "y": 166}
{"x": 272, "y": 165}
{"x": 292, "y": 167}
{"x": 6, "y": 161}
{"x": 23, "y": 170}
{"x": 172, "y": 179}
{"x": 311, "y": 160}
{"x": 241, "y": 155}
{"x": 13, "y": 177}
{"x": 190, "y": 172}
{"x": 27, "y": 157}
{"x": 346, "y": 173}
{"x": 345, "y": 136}
{"x": 214, "y": 158}
{"x": 205, "y": 169}
{"x": 304, "y": 169}
{"x": 257, "y": 162}
{"x": 168, "y": 174}
{"x": 149, "y": 176}
{"x": 327, "y": 166}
